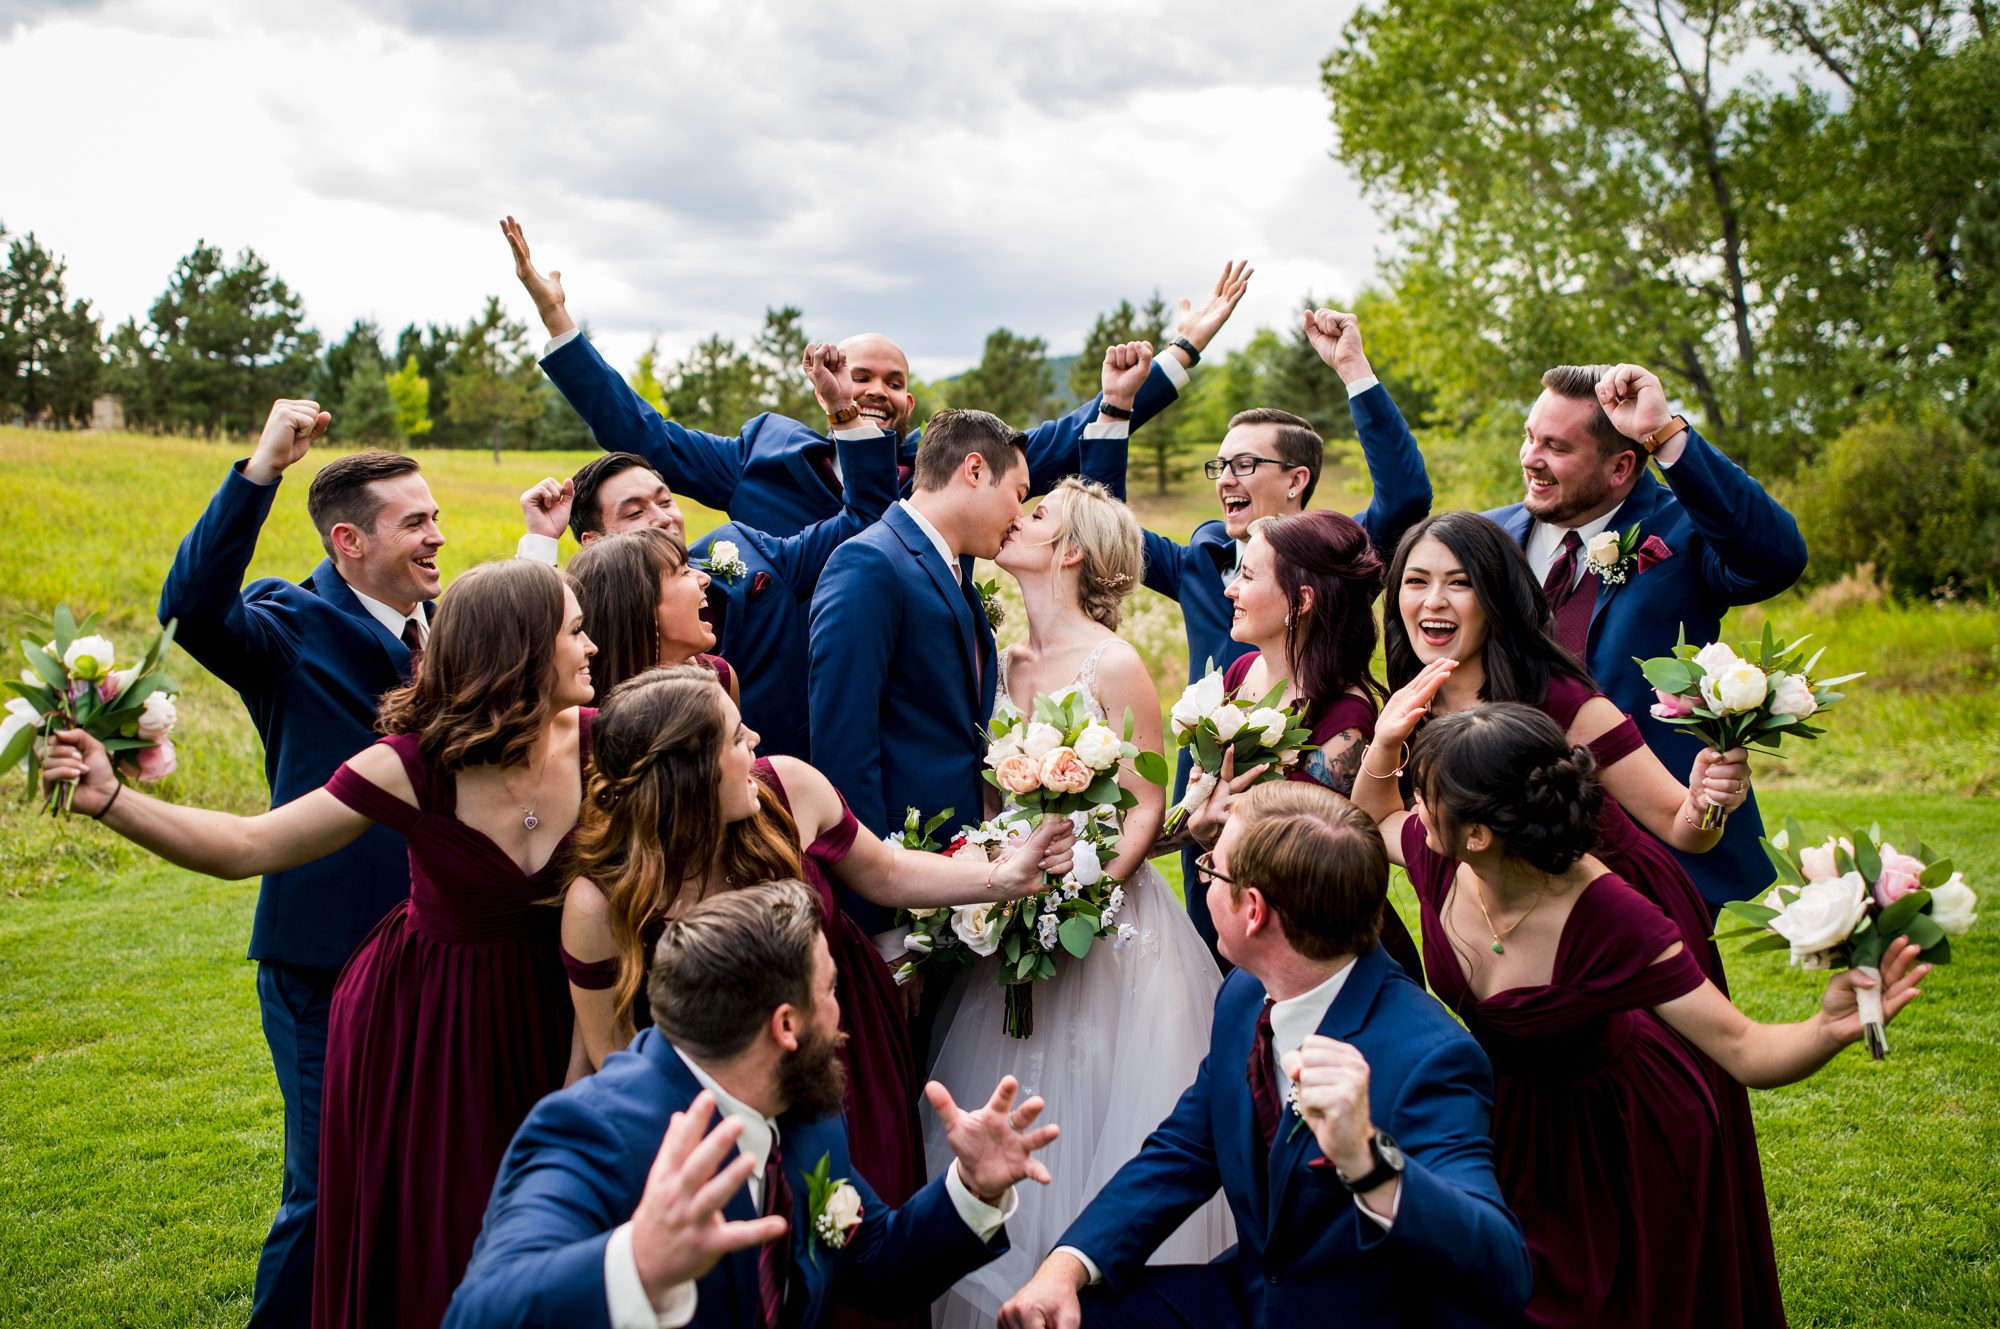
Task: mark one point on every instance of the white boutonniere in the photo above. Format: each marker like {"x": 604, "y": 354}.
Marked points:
{"x": 1298, "y": 1113}
{"x": 989, "y": 602}
{"x": 833, "y": 1209}
{"x": 724, "y": 561}
{"x": 1612, "y": 556}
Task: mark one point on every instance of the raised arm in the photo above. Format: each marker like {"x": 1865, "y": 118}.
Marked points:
{"x": 1377, "y": 788}
{"x": 1648, "y": 791}
{"x": 855, "y": 621}
{"x": 1402, "y": 485}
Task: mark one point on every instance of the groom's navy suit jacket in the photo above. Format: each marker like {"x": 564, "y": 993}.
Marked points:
{"x": 310, "y": 664}
{"x": 579, "y": 1163}
{"x": 1305, "y": 1255}
{"x": 768, "y": 476}
{"x": 1732, "y": 545}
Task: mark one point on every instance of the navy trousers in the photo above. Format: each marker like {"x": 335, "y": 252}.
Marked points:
{"x": 295, "y": 1001}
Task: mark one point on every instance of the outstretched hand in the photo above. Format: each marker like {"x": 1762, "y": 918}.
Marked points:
{"x": 1403, "y": 712}
{"x": 1841, "y": 1014}
{"x": 995, "y": 1145}
{"x": 1126, "y": 366}
{"x": 545, "y": 507}
{"x": 1049, "y": 850}
{"x": 1337, "y": 337}
{"x": 290, "y": 430}
{"x": 678, "y": 1231}
{"x": 546, "y": 292}
{"x": 1200, "y": 325}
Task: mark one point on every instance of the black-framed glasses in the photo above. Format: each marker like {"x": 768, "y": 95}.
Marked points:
{"x": 1204, "y": 870}
{"x": 1242, "y": 463}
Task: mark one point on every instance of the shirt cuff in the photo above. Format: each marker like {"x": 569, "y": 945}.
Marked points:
{"x": 1362, "y": 384}
{"x": 243, "y": 474}
{"x": 625, "y": 1292}
{"x": 1089, "y": 1265}
{"x": 984, "y": 1219}
{"x": 1378, "y": 1219}
{"x": 557, "y": 343}
{"x": 1177, "y": 373}
{"x": 538, "y": 548}
{"x": 1671, "y": 453}
{"x": 1106, "y": 428}
{"x": 858, "y": 433}
{"x": 892, "y": 944}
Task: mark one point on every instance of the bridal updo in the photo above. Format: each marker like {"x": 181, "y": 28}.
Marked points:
{"x": 1111, "y": 541}
{"x": 1509, "y": 768}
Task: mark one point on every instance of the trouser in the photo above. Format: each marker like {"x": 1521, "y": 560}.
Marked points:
{"x": 295, "y": 1001}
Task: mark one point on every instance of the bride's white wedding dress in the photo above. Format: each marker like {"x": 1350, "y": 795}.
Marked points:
{"x": 1119, "y": 1035}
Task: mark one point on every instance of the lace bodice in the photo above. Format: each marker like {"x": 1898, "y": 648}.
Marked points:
{"x": 1085, "y": 681}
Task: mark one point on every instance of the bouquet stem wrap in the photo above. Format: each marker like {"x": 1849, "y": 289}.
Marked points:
{"x": 1874, "y": 1033}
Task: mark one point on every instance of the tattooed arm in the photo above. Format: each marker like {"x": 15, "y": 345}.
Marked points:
{"x": 1337, "y": 761}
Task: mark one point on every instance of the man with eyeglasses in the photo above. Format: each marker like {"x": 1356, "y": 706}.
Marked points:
{"x": 1269, "y": 463}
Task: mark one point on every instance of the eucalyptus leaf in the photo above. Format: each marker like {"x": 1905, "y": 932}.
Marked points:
{"x": 65, "y": 625}
{"x": 1152, "y": 768}
{"x": 1788, "y": 871}
{"x": 1936, "y": 874}
{"x": 1077, "y": 935}
{"x": 1769, "y": 942}
{"x": 1867, "y": 859}
{"x": 1897, "y": 916}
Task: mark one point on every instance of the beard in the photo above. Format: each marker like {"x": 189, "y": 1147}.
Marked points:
{"x": 1579, "y": 494}
{"x": 811, "y": 1079}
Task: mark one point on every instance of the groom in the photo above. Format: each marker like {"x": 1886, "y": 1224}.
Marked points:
{"x": 598, "y": 1220}
{"x": 1373, "y": 1200}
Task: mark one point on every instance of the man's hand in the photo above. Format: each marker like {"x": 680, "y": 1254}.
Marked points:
{"x": 825, "y": 369}
{"x": 545, "y": 507}
{"x": 289, "y": 433}
{"x": 1333, "y": 1098}
{"x": 678, "y": 1232}
{"x": 1337, "y": 338}
{"x": 1634, "y": 400}
{"x": 994, "y": 1145}
{"x": 1126, "y": 366}
{"x": 1049, "y": 1299}
{"x": 1208, "y": 817}
{"x": 1200, "y": 326}
{"x": 546, "y": 292}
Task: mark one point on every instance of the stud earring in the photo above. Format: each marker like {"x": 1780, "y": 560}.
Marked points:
{"x": 1291, "y": 493}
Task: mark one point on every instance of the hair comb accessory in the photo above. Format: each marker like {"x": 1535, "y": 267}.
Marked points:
{"x": 1114, "y": 581}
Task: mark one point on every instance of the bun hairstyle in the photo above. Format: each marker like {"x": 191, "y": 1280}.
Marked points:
{"x": 1510, "y": 768}
{"x": 1111, "y": 541}
{"x": 1332, "y": 643}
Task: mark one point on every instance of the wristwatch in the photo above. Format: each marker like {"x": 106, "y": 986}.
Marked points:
{"x": 1388, "y": 1165}
{"x": 1194, "y": 356}
{"x": 1665, "y": 434}
{"x": 1110, "y": 412}
{"x": 845, "y": 415}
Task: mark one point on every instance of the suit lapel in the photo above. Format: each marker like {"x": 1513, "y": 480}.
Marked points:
{"x": 955, "y": 595}
{"x": 1295, "y": 1151}
{"x": 1638, "y": 507}
{"x": 327, "y": 583}
{"x": 1518, "y": 524}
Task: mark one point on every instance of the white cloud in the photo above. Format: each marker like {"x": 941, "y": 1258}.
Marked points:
{"x": 930, "y": 171}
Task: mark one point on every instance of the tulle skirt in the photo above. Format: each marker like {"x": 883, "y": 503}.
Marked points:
{"x": 1119, "y": 1036}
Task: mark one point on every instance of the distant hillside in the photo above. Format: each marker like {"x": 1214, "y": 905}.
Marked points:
{"x": 1059, "y": 368}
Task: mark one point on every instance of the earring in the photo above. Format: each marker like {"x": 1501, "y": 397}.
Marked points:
{"x": 1291, "y": 493}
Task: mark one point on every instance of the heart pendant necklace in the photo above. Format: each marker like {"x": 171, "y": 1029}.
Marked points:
{"x": 528, "y": 818}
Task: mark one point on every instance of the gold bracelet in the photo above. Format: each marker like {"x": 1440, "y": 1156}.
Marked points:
{"x": 1696, "y": 821}
{"x": 1402, "y": 758}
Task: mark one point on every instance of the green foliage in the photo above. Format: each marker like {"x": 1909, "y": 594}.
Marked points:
{"x": 645, "y": 377}
{"x": 364, "y": 410}
{"x": 490, "y": 380}
{"x": 49, "y": 365}
{"x": 410, "y": 393}
{"x": 777, "y": 352}
{"x": 1011, "y": 380}
{"x": 716, "y": 388}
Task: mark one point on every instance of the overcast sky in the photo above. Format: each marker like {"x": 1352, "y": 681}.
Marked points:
{"x": 925, "y": 170}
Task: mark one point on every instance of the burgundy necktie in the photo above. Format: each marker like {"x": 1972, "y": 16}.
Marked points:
{"x": 1263, "y": 1075}
{"x": 1561, "y": 581}
{"x": 774, "y": 1260}
{"x": 415, "y": 641}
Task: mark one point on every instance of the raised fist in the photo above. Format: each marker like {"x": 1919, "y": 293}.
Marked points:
{"x": 1126, "y": 366}
{"x": 1337, "y": 337}
{"x": 545, "y": 507}
{"x": 826, "y": 369}
{"x": 289, "y": 433}
{"x": 1635, "y": 401}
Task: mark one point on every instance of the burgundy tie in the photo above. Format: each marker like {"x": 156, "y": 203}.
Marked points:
{"x": 1263, "y": 1075}
{"x": 415, "y": 641}
{"x": 774, "y": 1260}
{"x": 1561, "y": 581}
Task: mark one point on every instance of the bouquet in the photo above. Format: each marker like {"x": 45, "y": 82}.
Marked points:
{"x": 1842, "y": 902}
{"x": 1212, "y": 723}
{"x": 70, "y": 683}
{"x": 1729, "y": 702}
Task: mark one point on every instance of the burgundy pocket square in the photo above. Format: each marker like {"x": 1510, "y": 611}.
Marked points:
{"x": 1654, "y": 550}
{"x": 760, "y": 583}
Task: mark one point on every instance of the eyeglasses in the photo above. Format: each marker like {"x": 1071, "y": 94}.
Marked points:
{"x": 1204, "y": 871}
{"x": 1241, "y": 464}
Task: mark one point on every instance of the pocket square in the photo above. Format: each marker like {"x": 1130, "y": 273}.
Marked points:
{"x": 760, "y": 583}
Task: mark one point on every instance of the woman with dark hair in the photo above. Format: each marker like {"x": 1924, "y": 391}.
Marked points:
{"x": 1638, "y": 1194}
{"x": 680, "y": 807}
{"x": 451, "y": 1020}
{"x": 645, "y": 605}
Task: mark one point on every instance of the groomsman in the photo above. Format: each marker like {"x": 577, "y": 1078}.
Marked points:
{"x": 779, "y": 474}
{"x": 617, "y": 1205}
{"x": 1341, "y": 1110}
{"x": 759, "y": 611}
{"x": 1716, "y": 538}
{"x": 1269, "y": 463}
{"x": 310, "y": 659}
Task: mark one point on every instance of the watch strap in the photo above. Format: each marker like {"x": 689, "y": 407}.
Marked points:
{"x": 1194, "y": 356}
{"x": 1110, "y": 412}
{"x": 1383, "y": 1171}
{"x": 1665, "y": 434}
{"x": 845, "y": 415}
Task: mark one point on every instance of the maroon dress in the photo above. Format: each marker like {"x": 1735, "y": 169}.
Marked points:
{"x": 1326, "y": 723}
{"x": 447, "y": 1025}
{"x": 1610, "y": 1143}
{"x": 883, "y": 1079}
{"x": 719, "y": 665}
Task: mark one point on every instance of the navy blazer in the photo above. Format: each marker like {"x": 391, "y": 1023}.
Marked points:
{"x": 1732, "y": 545}
{"x": 903, "y": 674}
{"x": 577, "y": 1168}
{"x": 760, "y": 617}
{"x": 310, "y": 664}
{"x": 767, "y": 476}
{"x": 1454, "y": 1255}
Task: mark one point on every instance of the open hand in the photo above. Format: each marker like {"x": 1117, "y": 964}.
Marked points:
{"x": 1048, "y": 851}
{"x": 1722, "y": 778}
{"x": 546, "y": 292}
{"x": 825, "y": 365}
{"x": 1200, "y": 325}
{"x": 678, "y": 1231}
{"x": 74, "y": 756}
{"x": 1337, "y": 338}
{"x": 995, "y": 1145}
{"x": 1635, "y": 401}
{"x": 545, "y": 507}
{"x": 1126, "y": 366}
{"x": 1901, "y": 973}
{"x": 1205, "y": 822}
{"x": 290, "y": 430}
{"x": 1403, "y": 712}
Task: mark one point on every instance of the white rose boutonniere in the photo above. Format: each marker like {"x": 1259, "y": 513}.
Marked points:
{"x": 724, "y": 561}
{"x": 833, "y": 1209}
{"x": 1615, "y": 556}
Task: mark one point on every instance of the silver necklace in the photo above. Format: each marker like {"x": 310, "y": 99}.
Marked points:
{"x": 528, "y": 818}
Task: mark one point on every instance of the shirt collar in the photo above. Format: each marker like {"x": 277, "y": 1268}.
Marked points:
{"x": 759, "y": 1131}
{"x": 1295, "y": 1019}
{"x": 931, "y": 532}
{"x": 393, "y": 619}
{"x": 1545, "y": 539}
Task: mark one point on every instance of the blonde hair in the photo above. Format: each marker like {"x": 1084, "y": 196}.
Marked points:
{"x": 1111, "y": 541}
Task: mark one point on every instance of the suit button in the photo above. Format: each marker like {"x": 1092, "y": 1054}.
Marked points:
{"x": 1271, "y": 1278}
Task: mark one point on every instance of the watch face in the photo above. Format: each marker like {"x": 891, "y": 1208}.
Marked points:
{"x": 1387, "y": 1148}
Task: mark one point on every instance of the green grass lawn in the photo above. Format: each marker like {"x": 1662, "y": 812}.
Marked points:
{"x": 140, "y": 1128}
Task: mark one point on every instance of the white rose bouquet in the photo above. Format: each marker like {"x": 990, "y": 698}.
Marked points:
{"x": 1840, "y": 903}
{"x": 72, "y": 682}
{"x": 1730, "y": 702}
{"x": 1062, "y": 760}
{"x": 1210, "y": 723}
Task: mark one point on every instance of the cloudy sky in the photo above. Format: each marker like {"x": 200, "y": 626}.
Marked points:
{"x": 927, "y": 170}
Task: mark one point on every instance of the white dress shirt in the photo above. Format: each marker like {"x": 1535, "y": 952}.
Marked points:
{"x": 395, "y": 619}
{"x": 1545, "y": 543}
{"x": 937, "y": 541}
{"x": 625, "y": 1291}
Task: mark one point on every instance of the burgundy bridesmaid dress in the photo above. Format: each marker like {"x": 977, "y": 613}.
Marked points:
{"x": 447, "y": 1025}
{"x": 1612, "y": 1147}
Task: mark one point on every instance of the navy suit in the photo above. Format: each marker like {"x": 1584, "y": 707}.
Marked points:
{"x": 769, "y": 475}
{"x": 1305, "y": 1255}
{"x": 577, "y": 1168}
{"x": 310, "y": 663}
{"x": 1191, "y": 574}
{"x": 1732, "y": 545}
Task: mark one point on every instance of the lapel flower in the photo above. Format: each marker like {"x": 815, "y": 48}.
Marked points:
{"x": 1614, "y": 557}
{"x": 989, "y": 602}
{"x": 833, "y": 1209}
{"x": 724, "y": 562}
{"x": 1298, "y": 1113}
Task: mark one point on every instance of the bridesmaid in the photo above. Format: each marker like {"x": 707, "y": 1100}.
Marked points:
{"x": 1611, "y": 1147}
{"x": 1305, "y": 602}
{"x": 681, "y": 807}
{"x": 645, "y": 604}
{"x": 452, "y": 1019}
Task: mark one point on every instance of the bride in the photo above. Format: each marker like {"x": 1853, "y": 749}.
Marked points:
{"x": 1121, "y": 1033}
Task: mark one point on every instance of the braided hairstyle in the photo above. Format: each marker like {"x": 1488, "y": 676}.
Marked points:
{"x": 1331, "y": 643}
{"x": 1510, "y": 768}
{"x": 652, "y": 814}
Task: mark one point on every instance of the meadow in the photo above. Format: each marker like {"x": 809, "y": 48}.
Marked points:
{"x": 140, "y": 1125}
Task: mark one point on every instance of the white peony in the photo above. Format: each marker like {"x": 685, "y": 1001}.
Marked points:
{"x": 1087, "y": 867}
{"x": 19, "y": 715}
{"x": 1039, "y": 740}
{"x": 1716, "y": 657}
{"x": 1199, "y": 699}
{"x": 1953, "y": 904}
{"x": 1099, "y": 746}
{"x": 978, "y": 927}
{"x": 1823, "y": 916}
{"x": 1271, "y": 724}
{"x": 158, "y": 717}
{"x": 1739, "y": 688}
{"x": 1228, "y": 721}
{"x": 89, "y": 657}
{"x": 1792, "y": 695}
{"x": 1816, "y": 861}
{"x": 1001, "y": 749}
{"x": 1602, "y": 551}
{"x": 841, "y": 1215}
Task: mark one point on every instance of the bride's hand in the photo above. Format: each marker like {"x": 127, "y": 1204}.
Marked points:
{"x": 75, "y": 756}
{"x": 1048, "y": 850}
{"x": 1403, "y": 712}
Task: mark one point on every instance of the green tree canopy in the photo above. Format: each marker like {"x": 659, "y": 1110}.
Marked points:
{"x": 410, "y": 392}
{"x": 49, "y": 345}
{"x": 1011, "y": 380}
{"x": 490, "y": 381}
